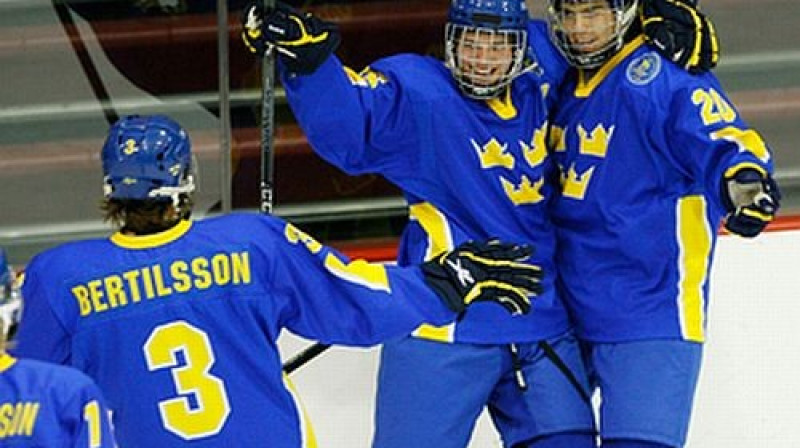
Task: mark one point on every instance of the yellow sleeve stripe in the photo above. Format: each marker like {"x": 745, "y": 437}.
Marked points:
{"x": 370, "y": 275}
{"x": 444, "y": 333}
{"x": 746, "y": 139}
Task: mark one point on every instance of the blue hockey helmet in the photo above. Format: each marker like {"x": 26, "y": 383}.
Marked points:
{"x": 495, "y": 14}
{"x": 486, "y": 44}
{"x": 147, "y": 157}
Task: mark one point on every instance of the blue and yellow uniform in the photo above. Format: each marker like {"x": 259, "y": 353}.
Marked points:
{"x": 469, "y": 170}
{"x": 179, "y": 328}
{"x": 46, "y": 405}
{"x": 643, "y": 147}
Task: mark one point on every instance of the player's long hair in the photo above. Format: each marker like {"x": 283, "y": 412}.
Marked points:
{"x": 145, "y": 217}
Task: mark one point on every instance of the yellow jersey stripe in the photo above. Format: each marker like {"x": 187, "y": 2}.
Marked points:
{"x": 694, "y": 241}
{"x": 307, "y": 437}
{"x": 440, "y": 239}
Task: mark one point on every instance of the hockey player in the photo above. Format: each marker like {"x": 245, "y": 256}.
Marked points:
{"x": 652, "y": 160}
{"x": 10, "y": 303}
{"x": 177, "y": 320}
{"x": 41, "y": 404}
{"x": 465, "y": 141}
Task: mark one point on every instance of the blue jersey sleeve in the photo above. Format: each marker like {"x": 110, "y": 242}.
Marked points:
{"x": 41, "y": 334}
{"x": 710, "y": 138}
{"x": 334, "y": 300}
{"x": 359, "y": 122}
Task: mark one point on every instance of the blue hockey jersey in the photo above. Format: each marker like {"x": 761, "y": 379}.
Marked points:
{"x": 179, "y": 328}
{"x": 643, "y": 147}
{"x": 45, "y": 405}
{"x": 469, "y": 169}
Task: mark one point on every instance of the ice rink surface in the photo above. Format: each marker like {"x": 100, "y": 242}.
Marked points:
{"x": 749, "y": 393}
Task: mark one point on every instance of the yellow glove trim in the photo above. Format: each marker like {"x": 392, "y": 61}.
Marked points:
{"x": 492, "y": 262}
{"x": 756, "y": 214}
{"x": 478, "y": 289}
{"x": 305, "y": 37}
{"x": 250, "y": 48}
{"x": 698, "y": 39}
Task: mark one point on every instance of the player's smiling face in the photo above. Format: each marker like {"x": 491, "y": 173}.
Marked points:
{"x": 484, "y": 57}
{"x": 589, "y": 25}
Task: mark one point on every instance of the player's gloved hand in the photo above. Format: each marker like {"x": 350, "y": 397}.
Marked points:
{"x": 491, "y": 271}
{"x": 751, "y": 201}
{"x": 681, "y": 33}
{"x": 303, "y": 41}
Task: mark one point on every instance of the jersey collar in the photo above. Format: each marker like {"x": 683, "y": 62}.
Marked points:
{"x": 585, "y": 86}
{"x": 154, "y": 240}
{"x": 502, "y": 105}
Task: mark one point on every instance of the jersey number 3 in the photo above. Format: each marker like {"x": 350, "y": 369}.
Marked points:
{"x": 210, "y": 408}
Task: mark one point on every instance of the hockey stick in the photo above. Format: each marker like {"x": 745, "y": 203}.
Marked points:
{"x": 85, "y": 60}
{"x": 267, "y": 172}
{"x": 267, "y": 123}
{"x": 302, "y": 358}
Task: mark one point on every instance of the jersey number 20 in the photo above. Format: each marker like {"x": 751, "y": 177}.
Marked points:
{"x": 211, "y": 409}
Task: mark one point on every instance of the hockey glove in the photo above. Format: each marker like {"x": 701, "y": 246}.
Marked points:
{"x": 303, "y": 41}
{"x": 491, "y": 272}
{"x": 751, "y": 201}
{"x": 681, "y": 33}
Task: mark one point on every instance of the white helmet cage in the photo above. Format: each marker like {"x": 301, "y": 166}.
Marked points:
{"x": 576, "y": 53}
{"x": 10, "y": 305}
{"x": 477, "y": 74}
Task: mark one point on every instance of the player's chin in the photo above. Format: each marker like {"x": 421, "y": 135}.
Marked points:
{"x": 484, "y": 80}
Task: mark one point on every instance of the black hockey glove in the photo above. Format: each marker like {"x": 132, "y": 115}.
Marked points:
{"x": 681, "y": 33}
{"x": 751, "y": 201}
{"x": 303, "y": 41}
{"x": 491, "y": 271}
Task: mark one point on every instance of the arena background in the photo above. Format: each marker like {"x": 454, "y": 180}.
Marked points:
{"x": 69, "y": 65}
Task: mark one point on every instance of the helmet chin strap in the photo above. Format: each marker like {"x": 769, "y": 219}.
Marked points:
{"x": 174, "y": 193}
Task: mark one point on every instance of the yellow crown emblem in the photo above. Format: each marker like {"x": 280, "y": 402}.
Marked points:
{"x": 574, "y": 185}
{"x": 596, "y": 143}
{"x": 537, "y": 151}
{"x": 526, "y": 192}
{"x": 493, "y": 154}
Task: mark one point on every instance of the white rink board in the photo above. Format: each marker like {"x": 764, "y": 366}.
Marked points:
{"x": 749, "y": 393}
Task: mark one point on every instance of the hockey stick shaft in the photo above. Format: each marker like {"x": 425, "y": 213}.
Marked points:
{"x": 304, "y": 357}
{"x": 268, "y": 69}
{"x": 267, "y": 124}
